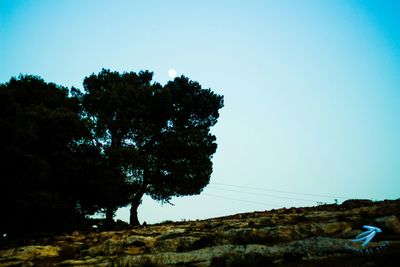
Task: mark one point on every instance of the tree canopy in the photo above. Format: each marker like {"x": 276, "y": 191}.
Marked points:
{"x": 157, "y": 137}
{"x": 39, "y": 124}
{"x": 68, "y": 154}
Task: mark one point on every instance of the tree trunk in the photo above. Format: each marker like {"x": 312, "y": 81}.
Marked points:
{"x": 109, "y": 217}
{"x": 136, "y": 201}
{"x": 133, "y": 219}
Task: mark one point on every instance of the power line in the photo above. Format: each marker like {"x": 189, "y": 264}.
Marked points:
{"x": 260, "y": 194}
{"x": 241, "y": 200}
{"x": 280, "y": 191}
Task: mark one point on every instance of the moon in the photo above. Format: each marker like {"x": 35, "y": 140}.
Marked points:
{"x": 172, "y": 73}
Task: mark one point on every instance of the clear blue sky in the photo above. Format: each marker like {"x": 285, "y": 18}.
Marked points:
{"x": 312, "y": 88}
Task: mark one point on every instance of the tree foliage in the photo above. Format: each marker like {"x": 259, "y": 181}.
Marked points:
{"x": 68, "y": 154}
{"x": 157, "y": 138}
{"x": 38, "y": 123}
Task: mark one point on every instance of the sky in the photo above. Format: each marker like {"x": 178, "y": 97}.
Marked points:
{"x": 311, "y": 88}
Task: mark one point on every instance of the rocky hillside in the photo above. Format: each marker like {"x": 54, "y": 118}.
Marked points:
{"x": 316, "y": 236}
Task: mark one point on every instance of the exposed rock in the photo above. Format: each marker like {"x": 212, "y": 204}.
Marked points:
{"x": 25, "y": 256}
{"x": 315, "y": 236}
{"x": 389, "y": 223}
{"x": 356, "y": 203}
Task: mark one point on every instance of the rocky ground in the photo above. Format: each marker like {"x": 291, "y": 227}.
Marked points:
{"x": 316, "y": 236}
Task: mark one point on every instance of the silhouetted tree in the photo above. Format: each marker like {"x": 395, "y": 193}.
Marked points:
{"x": 114, "y": 105}
{"x": 38, "y": 122}
{"x": 156, "y": 139}
{"x": 67, "y": 154}
{"x": 178, "y": 149}
{"x": 49, "y": 169}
